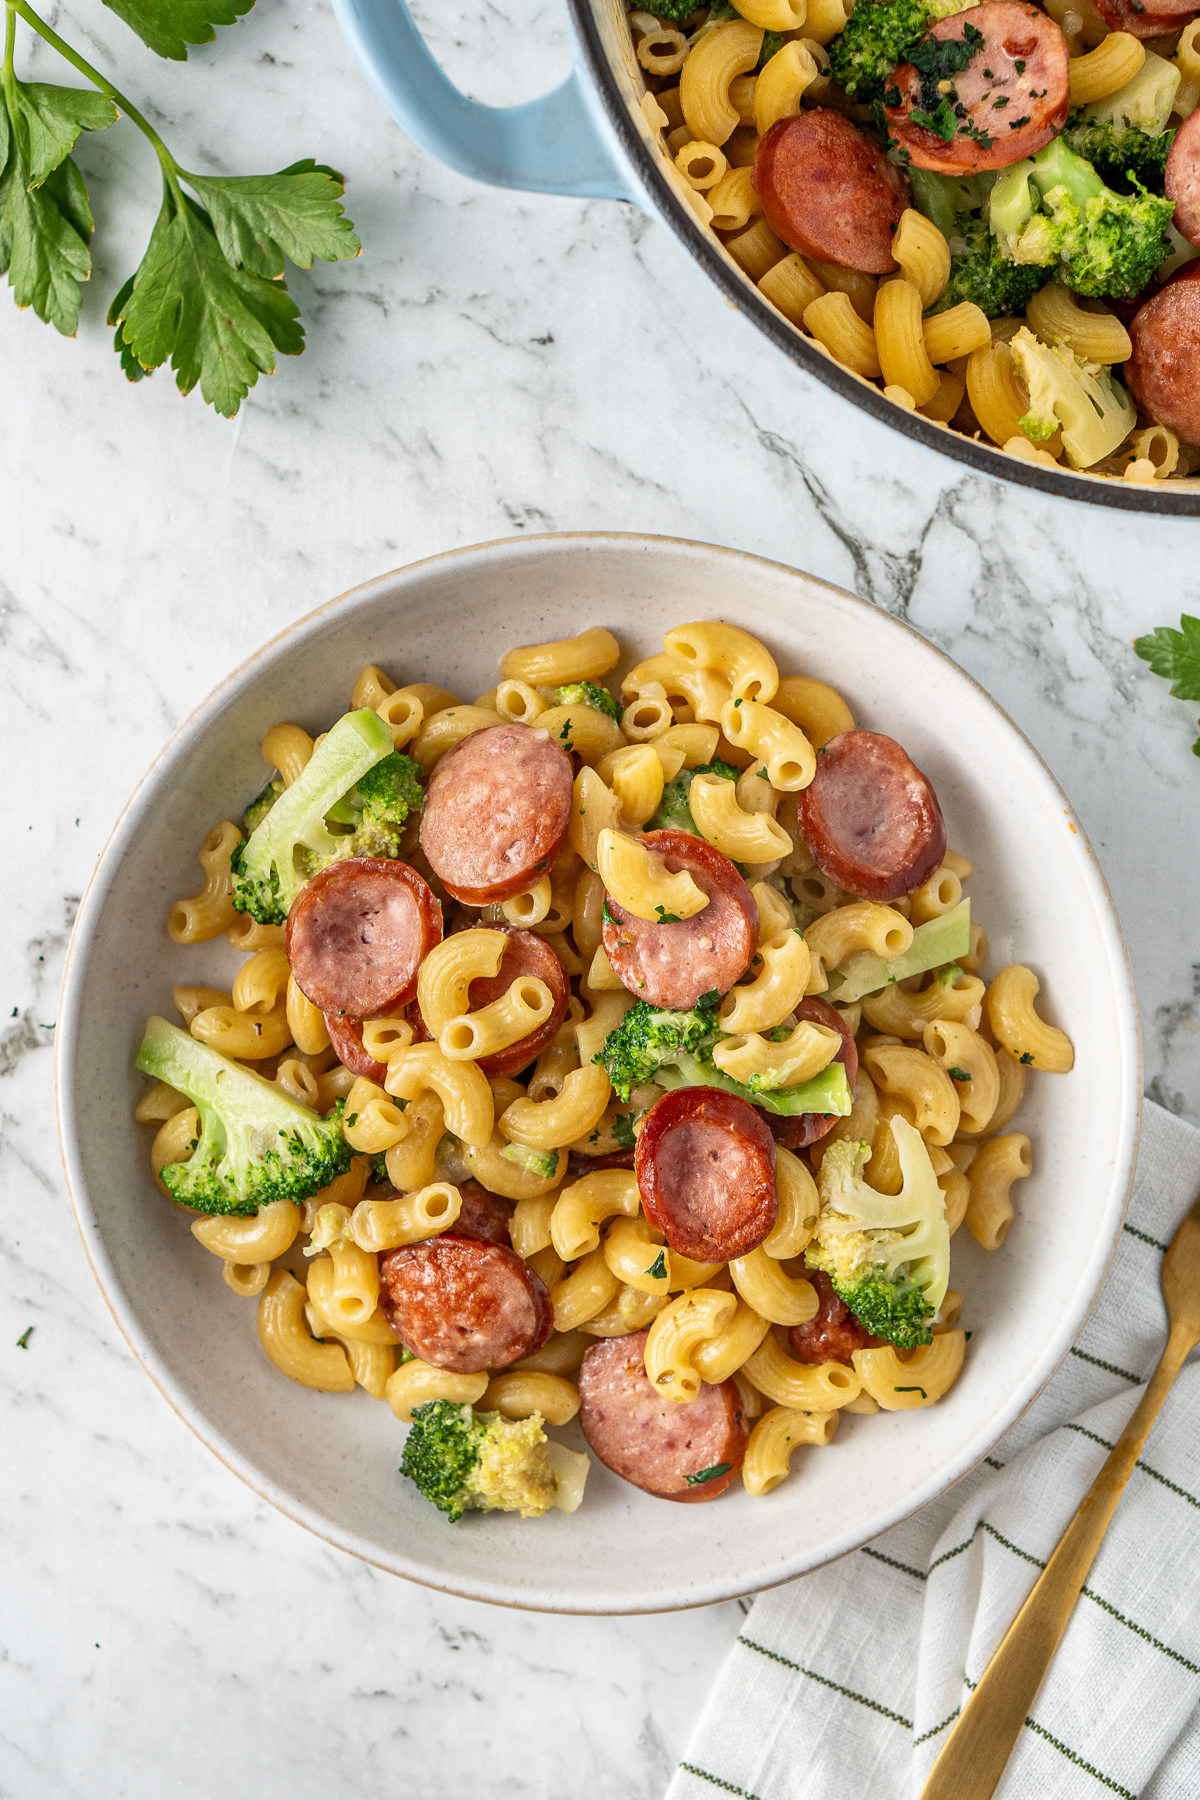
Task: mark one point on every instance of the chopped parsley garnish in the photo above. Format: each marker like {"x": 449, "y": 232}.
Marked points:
{"x": 622, "y": 1130}
{"x": 1027, "y": 1056}
{"x": 911, "y": 1390}
{"x": 657, "y": 1270}
{"x": 667, "y": 918}
{"x": 708, "y": 1474}
{"x": 957, "y": 1074}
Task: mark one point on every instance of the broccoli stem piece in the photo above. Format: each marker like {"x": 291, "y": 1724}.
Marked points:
{"x": 266, "y": 878}
{"x": 543, "y": 1163}
{"x": 828, "y": 1092}
{"x": 936, "y": 942}
{"x": 256, "y": 1144}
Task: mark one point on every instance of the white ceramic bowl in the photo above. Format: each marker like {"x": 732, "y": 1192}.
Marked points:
{"x": 330, "y": 1461}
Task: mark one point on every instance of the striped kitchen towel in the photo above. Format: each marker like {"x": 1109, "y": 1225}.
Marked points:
{"x": 845, "y": 1683}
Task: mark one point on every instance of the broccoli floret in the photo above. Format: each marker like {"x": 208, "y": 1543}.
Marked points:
{"x": 1117, "y": 155}
{"x": 261, "y": 805}
{"x": 256, "y": 1144}
{"x": 1086, "y": 400}
{"x": 379, "y": 1173}
{"x": 1126, "y": 133}
{"x": 292, "y": 841}
{"x": 466, "y": 1461}
{"x": 674, "y": 12}
{"x": 674, "y": 1049}
{"x": 1054, "y": 210}
{"x": 673, "y": 812}
{"x": 878, "y": 35}
{"x": 588, "y": 693}
{"x": 648, "y": 1038}
{"x": 979, "y": 271}
{"x": 888, "y": 1256}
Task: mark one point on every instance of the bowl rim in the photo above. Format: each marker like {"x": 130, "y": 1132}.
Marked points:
{"x": 501, "y": 1593}
{"x": 1156, "y": 497}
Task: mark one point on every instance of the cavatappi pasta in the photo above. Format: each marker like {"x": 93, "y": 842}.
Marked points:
{"x": 928, "y": 314}
{"x": 489, "y": 1112}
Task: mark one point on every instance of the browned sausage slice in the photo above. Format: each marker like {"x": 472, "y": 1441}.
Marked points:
{"x": 578, "y": 1164}
{"x": 870, "y": 818}
{"x": 346, "y": 1036}
{"x": 496, "y": 813}
{"x": 705, "y": 1164}
{"x": 673, "y": 965}
{"x": 835, "y": 1334}
{"x": 1007, "y": 103}
{"x": 464, "y": 1304}
{"x": 1182, "y": 184}
{"x": 828, "y": 192}
{"x": 357, "y": 934}
{"x": 659, "y": 1445}
{"x": 1164, "y": 371}
{"x": 806, "y": 1128}
{"x": 484, "y": 1215}
{"x": 1131, "y": 17}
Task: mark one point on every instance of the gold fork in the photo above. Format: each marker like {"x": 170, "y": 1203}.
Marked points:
{"x": 974, "y": 1756}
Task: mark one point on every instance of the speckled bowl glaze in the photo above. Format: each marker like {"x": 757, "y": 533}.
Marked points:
{"x": 330, "y": 1461}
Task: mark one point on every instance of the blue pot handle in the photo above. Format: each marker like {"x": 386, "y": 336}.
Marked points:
{"x": 559, "y": 144}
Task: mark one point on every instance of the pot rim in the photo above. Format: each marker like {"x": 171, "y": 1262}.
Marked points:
{"x": 986, "y": 459}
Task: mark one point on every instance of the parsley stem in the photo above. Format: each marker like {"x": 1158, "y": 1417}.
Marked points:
{"x": 8, "y": 75}
{"x": 85, "y": 68}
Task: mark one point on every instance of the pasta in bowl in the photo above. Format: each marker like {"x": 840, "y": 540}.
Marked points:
{"x": 597, "y": 1098}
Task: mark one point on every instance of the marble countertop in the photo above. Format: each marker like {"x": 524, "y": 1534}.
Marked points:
{"x": 495, "y": 363}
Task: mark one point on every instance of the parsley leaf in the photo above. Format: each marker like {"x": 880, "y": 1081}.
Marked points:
{"x": 622, "y": 1130}
{"x": 1175, "y": 655}
{"x": 168, "y": 26}
{"x": 658, "y": 1269}
{"x": 51, "y": 118}
{"x": 204, "y": 297}
{"x": 260, "y": 219}
{"x": 957, "y": 1074}
{"x": 45, "y": 218}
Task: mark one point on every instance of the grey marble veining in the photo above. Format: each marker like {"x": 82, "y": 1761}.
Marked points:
{"x": 493, "y": 364}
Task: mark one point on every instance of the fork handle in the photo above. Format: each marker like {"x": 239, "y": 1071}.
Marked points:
{"x": 975, "y": 1754}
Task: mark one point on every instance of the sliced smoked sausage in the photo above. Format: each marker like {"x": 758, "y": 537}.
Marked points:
{"x": 1129, "y": 16}
{"x": 463, "y": 1303}
{"x": 484, "y": 1215}
{"x": 496, "y": 813}
{"x": 705, "y": 1164}
{"x": 673, "y": 965}
{"x": 358, "y": 933}
{"x": 346, "y": 1036}
{"x": 689, "y": 1451}
{"x": 1163, "y": 373}
{"x": 1006, "y": 64}
{"x": 828, "y": 192}
{"x": 835, "y": 1334}
{"x": 526, "y": 954}
{"x": 870, "y": 818}
{"x": 1182, "y": 183}
{"x": 806, "y": 1128}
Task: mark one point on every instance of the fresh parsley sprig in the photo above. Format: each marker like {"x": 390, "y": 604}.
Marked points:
{"x": 208, "y": 296}
{"x": 1175, "y": 655}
